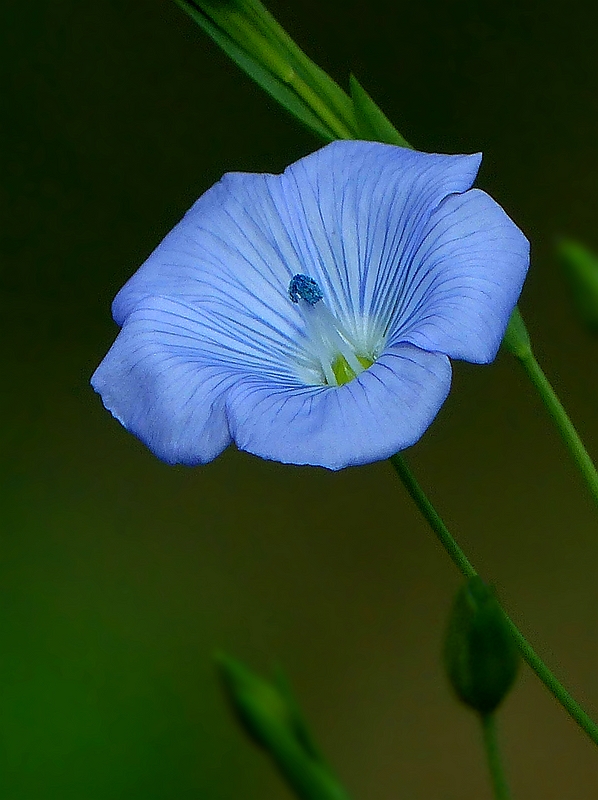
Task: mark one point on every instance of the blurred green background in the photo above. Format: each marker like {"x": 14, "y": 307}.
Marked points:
{"x": 119, "y": 575}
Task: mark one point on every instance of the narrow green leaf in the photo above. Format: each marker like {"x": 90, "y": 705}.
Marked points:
{"x": 327, "y": 89}
{"x": 372, "y": 122}
{"x": 270, "y": 83}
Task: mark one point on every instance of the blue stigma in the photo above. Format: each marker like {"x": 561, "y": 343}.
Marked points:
{"x": 305, "y": 288}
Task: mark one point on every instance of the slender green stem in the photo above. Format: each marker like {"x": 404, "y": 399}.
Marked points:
{"x": 561, "y": 419}
{"x": 434, "y": 519}
{"x": 497, "y": 774}
{"x": 461, "y": 561}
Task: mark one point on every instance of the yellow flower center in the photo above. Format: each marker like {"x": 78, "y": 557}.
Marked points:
{"x": 343, "y": 372}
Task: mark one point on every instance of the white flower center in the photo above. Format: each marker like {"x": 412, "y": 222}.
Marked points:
{"x": 339, "y": 359}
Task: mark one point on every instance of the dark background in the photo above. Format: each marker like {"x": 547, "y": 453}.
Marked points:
{"x": 119, "y": 576}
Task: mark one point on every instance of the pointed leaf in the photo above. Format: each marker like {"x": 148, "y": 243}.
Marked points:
{"x": 372, "y": 122}
{"x": 270, "y": 83}
{"x": 314, "y": 76}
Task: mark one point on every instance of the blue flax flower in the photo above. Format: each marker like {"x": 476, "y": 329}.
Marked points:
{"x": 309, "y": 317}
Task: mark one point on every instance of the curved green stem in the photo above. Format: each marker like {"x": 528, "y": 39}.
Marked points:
{"x": 561, "y": 419}
{"x": 517, "y": 341}
{"x": 434, "y": 519}
{"x": 461, "y": 561}
{"x": 497, "y": 774}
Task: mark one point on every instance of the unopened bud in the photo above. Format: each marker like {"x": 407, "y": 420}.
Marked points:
{"x": 480, "y": 655}
{"x": 258, "y": 704}
{"x": 270, "y": 715}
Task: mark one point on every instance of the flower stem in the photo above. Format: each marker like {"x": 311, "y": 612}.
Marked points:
{"x": 517, "y": 341}
{"x": 434, "y": 519}
{"x": 497, "y": 774}
{"x": 562, "y": 421}
{"x": 461, "y": 561}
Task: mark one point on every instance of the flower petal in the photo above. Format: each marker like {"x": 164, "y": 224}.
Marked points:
{"x": 232, "y": 243}
{"x": 387, "y": 408}
{"x": 156, "y": 382}
{"x": 230, "y": 259}
{"x": 212, "y": 349}
{"x": 464, "y": 280}
{"x": 186, "y": 407}
{"x": 348, "y": 215}
{"x": 355, "y": 211}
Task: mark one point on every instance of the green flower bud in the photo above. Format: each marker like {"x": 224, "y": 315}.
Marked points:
{"x": 581, "y": 270}
{"x": 480, "y": 655}
{"x": 270, "y": 715}
{"x": 259, "y": 706}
